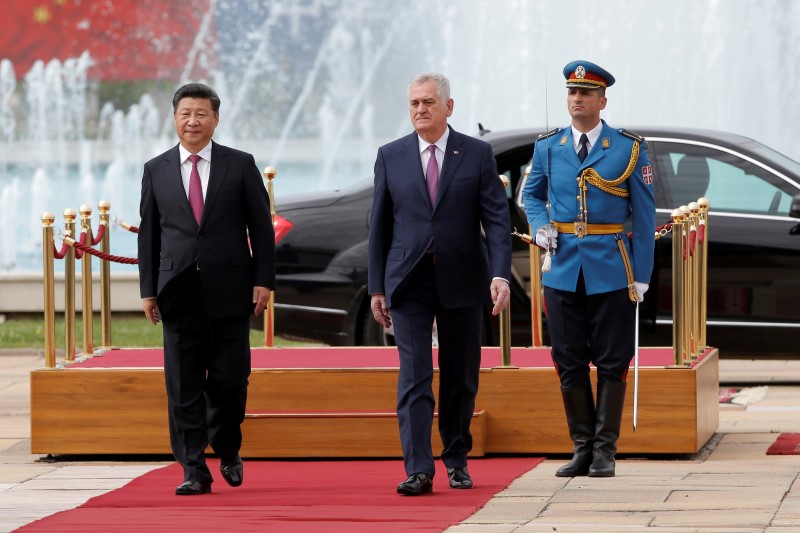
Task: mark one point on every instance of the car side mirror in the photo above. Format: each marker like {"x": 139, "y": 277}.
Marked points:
{"x": 794, "y": 210}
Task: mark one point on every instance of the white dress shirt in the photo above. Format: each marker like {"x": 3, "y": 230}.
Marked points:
{"x": 425, "y": 154}
{"x": 592, "y": 135}
{"x": 203, "y": 167}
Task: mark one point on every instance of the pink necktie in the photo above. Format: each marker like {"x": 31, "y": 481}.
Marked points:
{"x": 195, "y": 189}
{"x": 432, "y": 175}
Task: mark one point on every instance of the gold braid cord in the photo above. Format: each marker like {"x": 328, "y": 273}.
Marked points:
{"x": 591, "y": 176}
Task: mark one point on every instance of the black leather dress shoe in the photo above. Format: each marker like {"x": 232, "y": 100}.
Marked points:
{"x": 459, "y": 478}
{"x": 232, "y": 472}
{"x": 416, "y": 484}
{"x": 192, "y": 488}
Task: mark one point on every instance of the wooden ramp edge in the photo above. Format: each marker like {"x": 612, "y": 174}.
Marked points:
{"x": 518, "y": 410}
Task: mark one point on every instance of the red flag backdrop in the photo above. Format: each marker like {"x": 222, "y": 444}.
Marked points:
{"x": 127, "y": 39}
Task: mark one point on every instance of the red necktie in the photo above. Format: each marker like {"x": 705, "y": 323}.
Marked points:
{"x": 195, "y": 189}
{"x": 432, "y": 175}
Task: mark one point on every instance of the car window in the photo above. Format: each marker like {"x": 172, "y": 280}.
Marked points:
{"x": 730, "y": 182}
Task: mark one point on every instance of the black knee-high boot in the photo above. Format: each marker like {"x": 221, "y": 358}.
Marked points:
{"x": 579, "y": 407}
{"x": 610, "y": 401}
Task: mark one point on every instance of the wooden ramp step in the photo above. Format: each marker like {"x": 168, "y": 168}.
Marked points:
{"x": 338, "y": 434}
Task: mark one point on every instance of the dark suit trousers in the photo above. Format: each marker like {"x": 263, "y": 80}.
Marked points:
{"x": 413, "y": 311}
{"x": 206, "y": 366}
{"x": 597, "y": 328}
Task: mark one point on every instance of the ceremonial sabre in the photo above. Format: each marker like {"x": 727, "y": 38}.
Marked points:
{"x": 636, "y": 369}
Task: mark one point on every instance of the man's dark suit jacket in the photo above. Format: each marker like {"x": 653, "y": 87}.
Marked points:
{"x": 170, "y": 241}
{"x": 404, "y": 223}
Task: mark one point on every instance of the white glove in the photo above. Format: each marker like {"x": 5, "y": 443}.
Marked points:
{"x": 641, "y": 288}
{"x": 546, "y": 237}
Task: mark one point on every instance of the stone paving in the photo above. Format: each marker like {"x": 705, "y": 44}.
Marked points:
{"x": 731, "y": 486}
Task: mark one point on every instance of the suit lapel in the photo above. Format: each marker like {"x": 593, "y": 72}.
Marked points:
{"x": 452, "y": 159}
{"x": 219, "y": 168}
{"x": 414, "y": 163}
{"x": 175, "y": 182}
{"x": 568, "y": 148}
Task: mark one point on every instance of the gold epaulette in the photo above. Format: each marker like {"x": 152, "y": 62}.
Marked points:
{"x": 548, "y": 134}
{"x": 631, "y": 134}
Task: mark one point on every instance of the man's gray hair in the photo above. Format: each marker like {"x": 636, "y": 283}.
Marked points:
{"x": 441, "y": 81}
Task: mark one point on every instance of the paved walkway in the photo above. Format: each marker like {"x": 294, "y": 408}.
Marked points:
{"x": 730, "y": 486}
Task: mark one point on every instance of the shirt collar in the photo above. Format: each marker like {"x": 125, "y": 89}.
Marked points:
{"x": 441, "y": 144}
{"x": 592, "y": 134}
{"x": 205, "y": 153}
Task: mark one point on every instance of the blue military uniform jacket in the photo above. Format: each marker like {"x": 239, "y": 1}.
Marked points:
{"x": 556, "y": 169}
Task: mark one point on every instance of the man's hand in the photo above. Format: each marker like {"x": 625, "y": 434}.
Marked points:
{"x": 151, "y": 310}
{"x": 501, "y": 295}
{"x": 379, "y": 310}
{"x": 260, "y": 299}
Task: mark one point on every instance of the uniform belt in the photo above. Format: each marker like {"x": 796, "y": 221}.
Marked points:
{"x": 581, "y": 228}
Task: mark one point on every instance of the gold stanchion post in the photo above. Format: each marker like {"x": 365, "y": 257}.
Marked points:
{"x": 49, "y": 290}
{"x": 86, "y": 281}
{"x": 536, "y": 285}
{"x": 105, "y": 278}
{"x": 703, "y": 280}
{"x": 694, "y": 207}
{"x": 677, "y": 287}
{"x": 69, "y": 286}
{"x": 505, "y": 315}
{"x": 269, "y": 312}
{"x": 688, "y": 285}
{"x": 536, "y": 293}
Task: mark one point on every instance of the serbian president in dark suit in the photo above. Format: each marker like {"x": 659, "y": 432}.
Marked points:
{"x": 206, "y": 263}
{"x": 434, "y": 191}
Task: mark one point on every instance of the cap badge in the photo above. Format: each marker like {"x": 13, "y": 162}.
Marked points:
{"x": 580, "y": 72}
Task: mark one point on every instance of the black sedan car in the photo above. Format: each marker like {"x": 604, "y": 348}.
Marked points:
{"x": 753, "y": 264}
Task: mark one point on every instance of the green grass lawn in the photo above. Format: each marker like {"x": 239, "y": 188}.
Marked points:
{"x": 127, "y": 330}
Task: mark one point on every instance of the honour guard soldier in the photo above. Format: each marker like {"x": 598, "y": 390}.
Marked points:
{"x": 593, "y": 178}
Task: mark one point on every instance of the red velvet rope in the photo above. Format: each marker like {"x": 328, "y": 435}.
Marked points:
{"x": 59, "y": 254}
{"x": 666, "y": 228}
{"x": 102, "y": 255}
{"x": 701, "y": 232}
{"x": 99, "y": 237}
{"x": 123, "y": 225}
{"x": 78, "y": 251}
{"x": 692, "y": 239}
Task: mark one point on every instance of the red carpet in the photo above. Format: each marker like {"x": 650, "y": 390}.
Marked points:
{"x": 348, "y": 357}
{"x": 304, "y": 496}
{"x": 786, "y": 444}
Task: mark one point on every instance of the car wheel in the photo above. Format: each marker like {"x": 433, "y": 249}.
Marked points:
{"x": 374, "y": 334}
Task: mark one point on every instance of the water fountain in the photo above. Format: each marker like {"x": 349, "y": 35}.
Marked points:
{"x": 314, "y": 87}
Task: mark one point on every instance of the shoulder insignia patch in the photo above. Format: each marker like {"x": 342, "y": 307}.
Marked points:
{"x": 548, "y": 134}
{"x": 631, "y": 134}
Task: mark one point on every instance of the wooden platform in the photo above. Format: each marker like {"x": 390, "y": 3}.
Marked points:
{"x": 349, "y": 412}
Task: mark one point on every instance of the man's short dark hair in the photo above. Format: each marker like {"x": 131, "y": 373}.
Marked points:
{"x": 196, "y": 90}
